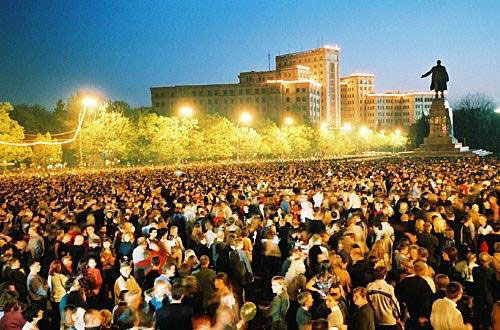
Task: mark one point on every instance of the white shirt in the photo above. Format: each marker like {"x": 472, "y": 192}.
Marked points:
{"x": 354, "y": 201}
{"x": 446, "y": 316}
{"x": 318, "y": 199}
{"x": 29, "y": 326}
{"x": 138, "y": 254}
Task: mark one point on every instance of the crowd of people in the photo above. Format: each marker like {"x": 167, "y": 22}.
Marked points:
{"x": 385, "y": 244}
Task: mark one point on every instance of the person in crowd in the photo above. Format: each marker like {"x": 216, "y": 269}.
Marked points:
{"x": 364, "y": 317}
{"x": 125, "y": 237}
{"x": 445, "y": 314}
{"x": 280, "y": 304}
{"x": 306, "y": 301}
{"x": 175, "y": 315}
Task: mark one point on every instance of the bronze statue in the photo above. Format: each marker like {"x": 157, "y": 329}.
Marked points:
{"x": 439, "y": 78}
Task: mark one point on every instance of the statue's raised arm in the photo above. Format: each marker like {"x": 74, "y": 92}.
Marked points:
{"x": 439, "y": 79}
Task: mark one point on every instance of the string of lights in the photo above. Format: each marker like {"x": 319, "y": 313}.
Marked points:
{"x": 87, "y": 103}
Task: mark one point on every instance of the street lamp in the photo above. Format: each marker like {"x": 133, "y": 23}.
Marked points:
{"x": 186, "y": 111}
{"x": 288, "y": 121}
{"x": 88, "y": 102}
{"x": 347, "y": 127}
{"x": 245, "y": 119}
{"x": 397, "y": 134}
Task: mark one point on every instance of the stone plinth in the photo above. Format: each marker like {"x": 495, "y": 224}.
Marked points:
{"x": 440, "y": 138}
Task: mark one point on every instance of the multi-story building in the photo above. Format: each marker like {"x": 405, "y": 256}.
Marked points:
{"x": 323, "y": 64}
{"x": 397, "y": 109}
{"x": 354, "y": 89}
{"x": 265, "y": 94}
{"x": 304, "y": 85}
{"x": 362, "y": 106}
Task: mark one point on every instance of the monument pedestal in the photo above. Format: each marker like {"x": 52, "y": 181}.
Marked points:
{"x": 440, "y": 141}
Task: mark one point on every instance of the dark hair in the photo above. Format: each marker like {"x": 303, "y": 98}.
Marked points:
{"x": 453, "y": 290}
{"x": 451, "y": 252}
{"x": 380, "y": 272}
{"x": 31, "y": 312}
{"x": 155, "y": 261}
{"x": 177, "y": 291}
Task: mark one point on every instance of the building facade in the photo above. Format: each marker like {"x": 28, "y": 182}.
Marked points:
{"x": 389, "y": 110}
{"x": 323, "y": 64}
{"x": 298, "y": 87}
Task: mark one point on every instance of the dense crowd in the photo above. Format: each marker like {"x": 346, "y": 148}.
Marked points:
{"x": 314, "y": 244}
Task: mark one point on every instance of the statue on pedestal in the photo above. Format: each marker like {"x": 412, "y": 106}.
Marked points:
{"x": 439, "y": 78}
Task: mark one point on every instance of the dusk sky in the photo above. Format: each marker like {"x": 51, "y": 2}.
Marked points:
{"x": 51, "y": 48}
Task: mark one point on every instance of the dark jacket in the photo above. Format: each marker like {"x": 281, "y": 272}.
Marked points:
{"x": 363, "y": 319}
{"x": 416, "y": 294}
{"x": 174, "y": 316}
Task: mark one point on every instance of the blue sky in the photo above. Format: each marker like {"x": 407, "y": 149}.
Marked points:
{"x": 51, "y": 48}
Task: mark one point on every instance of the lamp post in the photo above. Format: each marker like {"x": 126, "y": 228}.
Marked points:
{"x": 397, "y": 134}
{"x": 186, "y": 112}
{"x": 245, "y": 118}
{"x": 87, "y": 103}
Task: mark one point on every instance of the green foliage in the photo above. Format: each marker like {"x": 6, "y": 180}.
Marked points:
{"x": 475, "y": 122}
{"x": 44, "y": 154}
{"x": 34, "y": 118}
{"x": 299, "y": 138}
{"x": 218, "y": 136}
{"x": 274, "y": 141}
{"x": 418, "y": 131}
{"x": 107, "y": 137}
{"x": 11, "y": 131}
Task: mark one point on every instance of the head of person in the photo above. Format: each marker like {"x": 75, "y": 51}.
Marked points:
{"x": 125, "y": 269}
{"x": 161, "y": 288}
{"x": 420, "y": 268}
{"x": 450, "y": 254}
{"x": 305, "y": 299}
{"x": 485, "y": 259}
{"x": 92, "y": 318}
{"x": 278, "y": 284}
{"x": 441, "y": 281}
{"x": 454, "y": 291}
{"x": 221, "y": 281}
{"x": 331, "y": 301}
{"x": 34, "y": 266}
{"x": 177, "y": 292}
{"x": 204, "y": 261}
{"x": 170, "y": 269}
{"x": 133, "y": 299}
{"x": 380, "y": 272}
{"x": 91, "y": 263}
{"x": 55, "y": 267}
{"x": 33, "y": 313}
{"x": 69, "y": 316}
{"x": 359, "y": 296}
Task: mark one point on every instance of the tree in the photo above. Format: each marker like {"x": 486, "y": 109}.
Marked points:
{"x": 11, "y": 131}
{"x": 107, "y": 137}
{"x": 45, "y": 154}
{"x": 475, "y": 122}
{"x": 274, "y": 141}
{"x": 165, "y": 139}
{"x": 34, "y": 118}
{"x": 249, "y": 143}
{"x": 418, "y": 131}
{"x": 219, "y": 137}
{"x": 299, "y": 138}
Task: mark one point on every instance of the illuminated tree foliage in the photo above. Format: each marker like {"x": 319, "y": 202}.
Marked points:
{"x": 45, "y": 154}
{"x": 11, "y": 131}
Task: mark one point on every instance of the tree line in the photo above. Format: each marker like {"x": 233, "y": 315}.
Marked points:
{"x": 120, "y": 133}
